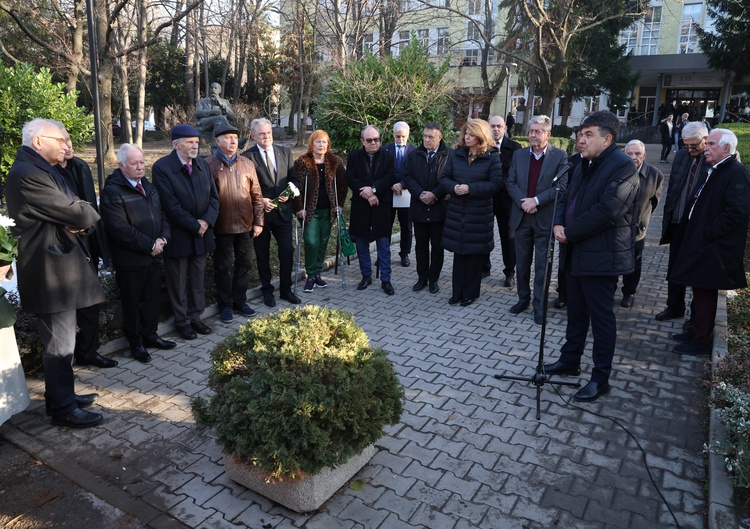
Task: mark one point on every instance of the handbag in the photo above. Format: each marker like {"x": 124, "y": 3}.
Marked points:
{"x": 347, "y": 246}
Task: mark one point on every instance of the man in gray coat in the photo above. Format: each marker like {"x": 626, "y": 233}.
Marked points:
{"x": 55, "y": 276}
{"x": 532, "y": 194}
{"x": 650, "y": 185}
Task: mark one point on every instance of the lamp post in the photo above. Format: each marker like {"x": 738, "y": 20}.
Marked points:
{"x": 508, "y": 71}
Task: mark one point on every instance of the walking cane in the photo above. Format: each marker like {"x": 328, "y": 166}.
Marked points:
{"x": 296, "y": 238}
{"x": 339, "y": 247}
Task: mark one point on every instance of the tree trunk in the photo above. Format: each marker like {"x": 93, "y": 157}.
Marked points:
{"x": 106, "y": 74}
{"x": 142, "y": 60}
{"x": 75, "y": 64}
{"x": 189, "y": 58}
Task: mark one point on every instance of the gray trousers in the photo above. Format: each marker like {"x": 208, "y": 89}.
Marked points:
{"x": 531, "y": 243}
{"x": 186, "y": 287}
{"x": 57, "y": 333}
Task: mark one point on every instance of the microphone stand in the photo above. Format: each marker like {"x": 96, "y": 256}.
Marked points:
{"x": 539, "y": 378}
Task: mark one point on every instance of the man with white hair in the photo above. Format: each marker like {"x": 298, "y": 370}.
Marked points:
{"x": 55, "y": 276}
{"x": 650, "y": 185}
{"x": 189, "y": 199}
{"x": 714, "y": 238}
{"x": 688, "y": 172}
{"x": 400, "y": 149}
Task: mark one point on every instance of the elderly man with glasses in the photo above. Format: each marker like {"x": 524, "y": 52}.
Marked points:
{"x": 370, "y": 173}
{"x": 689, "y": 171}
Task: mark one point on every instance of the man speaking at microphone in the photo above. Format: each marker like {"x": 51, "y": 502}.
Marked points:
{"x": 594, "y": 217}
{"x": 532, "y": 192}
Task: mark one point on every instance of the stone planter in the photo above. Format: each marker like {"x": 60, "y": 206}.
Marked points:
{"x": 301, "y": 495}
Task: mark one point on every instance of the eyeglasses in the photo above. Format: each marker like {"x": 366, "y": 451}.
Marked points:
{"x": 372, "y": 140}
{"x": 693, "y": 145}
{"x": 61, "y": 141}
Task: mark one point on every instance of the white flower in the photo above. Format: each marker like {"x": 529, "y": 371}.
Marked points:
{"x": 293, "y": 189}
{"x": 6, "y": 222}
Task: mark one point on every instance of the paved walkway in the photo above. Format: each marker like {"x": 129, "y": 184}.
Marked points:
{"x": 468, "y": 451}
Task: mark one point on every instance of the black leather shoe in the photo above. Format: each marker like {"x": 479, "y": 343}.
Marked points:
{"x": 77, "y": 418}
{"x": 454, "y": 300}
{"x": 519, "y": 307}
{"x": 592, "y": 391}
{"x": 684, "y": 337}
{"x": 670, "y": 314}
{"x": 467, "y": 301}
{"x": 692, "y": 349}
{"x": 97, "y": 360}
{"x": 84, "y": 401}
{"x": 387, "y": 288}
{"x": 627, "y": 301}
{"x": 510, "y": 281}
{"x": 538, "y": 317}
{"x": 200, "y": 327}
{"x": 405, "y": 260}
{"x": 688, "y": 325}
{"x": 186, "y": 332}
{"x": 159, "y": 343}
{"x": 289, "y": 297}
{"x": 560, "y": 303}
{"x": 566, "y": 370}
{"x": 419, "y": 285}
{"x": 366, "y": 281}
{"x": 486, "y": 273}
{"x": 268, "y": 299}
{"x": 434, "y": 288}
{"x": 140, "y": 354}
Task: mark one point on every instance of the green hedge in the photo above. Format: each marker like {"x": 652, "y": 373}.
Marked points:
{"x": 742, "y": 130}
{"x": 565, "y": 144}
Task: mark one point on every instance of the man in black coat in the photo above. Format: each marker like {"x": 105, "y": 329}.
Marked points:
{"x": 138, "y": 231}
{"x": 666, "y": 129}
{"x": 55, "y": 275}
{"x": 370, "y": 174}
{"x": 501, "y": 203}
{"x": 595, "y": 219}
{"x": 189, "y": 199}
{"x": 78, "y": 176}
{"x": 421, "y": 175}
{"x": 400, "y": 149}
{"x": 688, "y": 172}
{"x": 650, "y": 185}
{"x": 275, "y": 169}
{"x": 713, "y": 242}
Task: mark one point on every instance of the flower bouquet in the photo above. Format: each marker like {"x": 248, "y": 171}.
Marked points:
{"x": 8, "y": 243}
{"x": 291, "y": 191}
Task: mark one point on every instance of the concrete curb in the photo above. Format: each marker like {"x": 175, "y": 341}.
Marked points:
{"x": 721, "y": 510}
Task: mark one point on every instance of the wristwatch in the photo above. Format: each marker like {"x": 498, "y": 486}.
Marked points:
{"x": 374, "y": 191}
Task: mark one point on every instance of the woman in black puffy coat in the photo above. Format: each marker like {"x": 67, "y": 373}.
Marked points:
{"x": 472, "y": 176}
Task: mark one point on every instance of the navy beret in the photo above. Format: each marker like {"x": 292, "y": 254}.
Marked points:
{"x": 224, "y": 128}
{"x": 185, "y": 131}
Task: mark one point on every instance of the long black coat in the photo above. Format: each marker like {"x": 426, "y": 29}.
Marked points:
{"x": 366, "y": 221}
{"x": 133, "y": 221}
{"x": 55, "y": 272}
{"x": 469, "y": 219}
{"x": 186, "y": 199}
{"x": 678, "y": 179}
{"x": 600, "y": 235}
{"x": 712, "y": 248}
{"x": 420, "y": 174}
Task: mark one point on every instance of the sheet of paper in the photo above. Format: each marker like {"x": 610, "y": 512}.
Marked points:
{"x": 403, "y": 200}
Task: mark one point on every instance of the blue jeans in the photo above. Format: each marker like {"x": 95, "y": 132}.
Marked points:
{"x": 384, "y": 257}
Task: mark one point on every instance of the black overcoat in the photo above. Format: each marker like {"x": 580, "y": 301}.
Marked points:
{"x": 380, "y": 172}
{"x": 55, "y": 270}
{"x": 713, "y": 245}
{"x": 469, "y": 221}
{"x": 186, "y": 199}
{"x": 421, "y": 174}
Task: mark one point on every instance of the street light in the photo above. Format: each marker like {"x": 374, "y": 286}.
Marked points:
{"x": 508, "y": 67}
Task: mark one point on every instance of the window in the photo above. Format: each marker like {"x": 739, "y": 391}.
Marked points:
{"x": 691, "y": 14}
{"x": 403, "y": 39}
{"x": 474, "y": 7}
{"x": 367, "y": 43}
{"x": 651, "y": 32}
{"x": 470, "y": 58}
{"x": 443, "y": 41}
{"x": 629, "y": 38}
{"x": 424, "y": 38}
{"x": 403, "y": 6}
{"x": 472, "y": 32}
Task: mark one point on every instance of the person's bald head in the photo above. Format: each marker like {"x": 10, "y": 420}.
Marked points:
{"x": 498, "y": 128}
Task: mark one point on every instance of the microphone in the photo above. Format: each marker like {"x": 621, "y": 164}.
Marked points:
{"x": 564, "y": 169}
